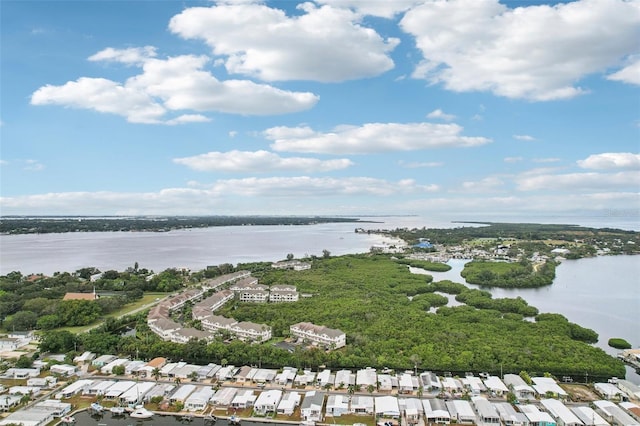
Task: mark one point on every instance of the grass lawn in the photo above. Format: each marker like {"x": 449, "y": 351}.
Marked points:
{"x": 147, "y": 300}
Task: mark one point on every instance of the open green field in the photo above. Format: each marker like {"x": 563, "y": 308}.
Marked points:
{"x": 148, "y": 300}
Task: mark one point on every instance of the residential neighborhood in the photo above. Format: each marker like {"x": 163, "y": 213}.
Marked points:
{"x": 309, "y": 397}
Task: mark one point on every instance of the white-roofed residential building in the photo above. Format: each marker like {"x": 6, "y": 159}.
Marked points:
{"x": 182, "y": 393}
{"x": 608, "y": 390}
{"x": 224, "y": 397}
{"x": 74, "y": 388}
{"x": 267, "y": 402}
{"x": 199, "y": 399}
{"x": 535, "y": 416}
{"x": 435, "y": 411}
{"x": 288, "y": 403}
{"x": 337, "y": 405}
{"x": 243, "y": 398}
{"x": 588, "y": 416}
{"x": 462, "y": 411}
{"x": 487, "y": 413}
{"x": 495, "y": 385}
{"x": 509, "y": 416}
{"x": 387, "y": 406}
{"x": 519, "y": 387}
{"x": 547, "y": 385}
{"x": 614, "y": 414}
{"x": 560, "y": 412}
{"x": 362, "y": 405}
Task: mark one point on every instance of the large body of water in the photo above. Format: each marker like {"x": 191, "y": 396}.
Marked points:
{"x": 194, "y": 249}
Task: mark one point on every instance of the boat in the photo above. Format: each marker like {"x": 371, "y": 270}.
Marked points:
{"x": 141, "y": 413}
{"x": 68, "y": 420}
{"x": 117, "y": 411}
{"x": 96, "y": 408}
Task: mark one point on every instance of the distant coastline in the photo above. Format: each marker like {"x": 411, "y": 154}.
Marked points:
{"x": 16, "y": 225}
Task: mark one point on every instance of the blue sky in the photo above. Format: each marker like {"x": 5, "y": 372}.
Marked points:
{"x": 452, "y": 108}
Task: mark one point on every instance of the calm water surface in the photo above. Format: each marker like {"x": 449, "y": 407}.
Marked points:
{"x": 194, "y": 248}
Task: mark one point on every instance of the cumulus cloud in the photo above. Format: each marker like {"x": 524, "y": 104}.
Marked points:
{"x": 629, "y": 74}
{"x": 526, "y": 138}
{"x": 534, "y": 52}
{"x": 167, "y": 85}
{"x": 102, "y": 95}
{"x": 620, "y": 181}
{"x": 371, "y": 138}
{"x": 383, "y": 9}
{"x": 324, "y": 43}
{"x": 611, "y": 160}
{"x": 438, "y": 114}
{"x": 259, "y": 162}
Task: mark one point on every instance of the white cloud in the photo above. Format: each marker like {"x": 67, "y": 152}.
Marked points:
{"x": 438, "y": 114}
{"x": 488, "y": 184}
{"x": 526, "y": 206}
{"x": 580, "y": 181}
{"x": 321, "y": 44}
{"x": 629, "y": 74}
{"x": 419, "y": 165}
{"x": 611, "y": 160}
{"x": 512, "y": 159}
{"x": 102, "y": 95}
{"x": 132, "y": 55}
{"x": 223, "y": 195}
{"x": 33, "y": 165}
{"x": 371, "y": 138}
{"x": 534, "y": 52}
{"x": 259, "y": 162}
{"x": 384, "y": 9}
{"x": 546, "y": 160}
{"x": 526, "y": 138}
{"x": 4, "y": 163}
{"x": 324, "y": 186}
{"x": 173, "y": 84}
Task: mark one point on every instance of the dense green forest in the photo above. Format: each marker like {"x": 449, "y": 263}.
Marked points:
{"x": 35, "y": 302}
{"x": 520, "y": 274}
{"x": 392, "y": 319}
{"x": 43, "y": 224}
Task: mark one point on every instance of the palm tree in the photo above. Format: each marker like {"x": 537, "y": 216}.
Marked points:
{"x": 156, "y": 373}
{"x": 177, "y": 381}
